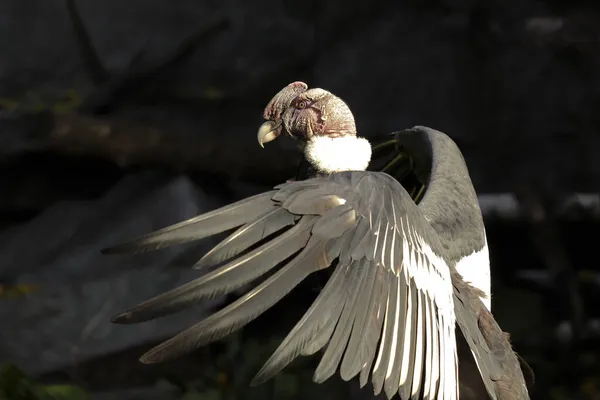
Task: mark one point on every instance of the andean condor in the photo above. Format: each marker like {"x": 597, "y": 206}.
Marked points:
{"x": 400, "y": 222}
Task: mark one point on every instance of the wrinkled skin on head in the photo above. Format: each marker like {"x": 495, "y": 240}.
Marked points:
{"x": 282, "y": 100}
{"x": 303, "y": 113}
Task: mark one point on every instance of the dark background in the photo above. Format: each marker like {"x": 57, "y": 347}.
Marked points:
{"x": 121, "y": 117}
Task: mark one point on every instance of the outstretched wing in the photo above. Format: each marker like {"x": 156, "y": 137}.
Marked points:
{"x": 387, "y": 313}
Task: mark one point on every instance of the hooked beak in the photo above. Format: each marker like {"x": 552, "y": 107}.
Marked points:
{"x": 268, "y": 132}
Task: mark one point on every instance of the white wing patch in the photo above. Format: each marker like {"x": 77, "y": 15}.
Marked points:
{"x": 475, "y": 269}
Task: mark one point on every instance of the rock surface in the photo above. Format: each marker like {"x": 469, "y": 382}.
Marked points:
{"x": 66, "y": 320}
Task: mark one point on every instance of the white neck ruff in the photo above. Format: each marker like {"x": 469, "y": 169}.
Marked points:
{"x": 346, "y": 153}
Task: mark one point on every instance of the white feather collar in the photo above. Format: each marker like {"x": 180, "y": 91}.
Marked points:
{"x": 345, "y": 153}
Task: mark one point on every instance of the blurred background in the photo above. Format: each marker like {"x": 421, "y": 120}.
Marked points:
{"x": 118, "y": 118}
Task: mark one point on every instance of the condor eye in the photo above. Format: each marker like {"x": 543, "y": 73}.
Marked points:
{"x": 302, "y": 104}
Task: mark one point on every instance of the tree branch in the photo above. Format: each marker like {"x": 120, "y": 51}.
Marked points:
{"x": 119, "y": 86}
{"x": 113, "y": 88}
{"x": 128, "y": 144}
{"x": 94, "y": 67}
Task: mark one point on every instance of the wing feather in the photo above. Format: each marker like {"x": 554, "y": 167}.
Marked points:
{"x": 368, "y": 348}
{"x": 323, "y": 336}
{"x": 437, "y": 361}
{"x": 410, "y": 341}
{"x": 420, "y": 334}
{"x": 247, "y": 235}
{"x": 366, "y": 306}
{"x": 383, "y": 356}
{"x": 388, "y": 311}
{"x": 224, "y": 279}
{"x": 202, "y": 226}
{"x": 398, "y": 349}
{"x": 339, "y": 340}
{"x": 443, "y": 357}
{"x": 325, "y": 311}
{"x": 430, "y": 347}
{"x": 246, "y": 308}
{"x": 488, "y": 365}
{"x": 362, "y": 236}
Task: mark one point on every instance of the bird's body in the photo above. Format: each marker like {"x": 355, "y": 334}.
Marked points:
{"x": 389, "y": 310}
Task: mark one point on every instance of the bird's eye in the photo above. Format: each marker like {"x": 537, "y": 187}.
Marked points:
{"x": 302, "y": 104}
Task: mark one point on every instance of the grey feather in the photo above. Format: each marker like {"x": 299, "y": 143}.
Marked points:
{"x": 364, "y": 249}
{"x": 383, "y": 355}
{"x": 435, "y": 376}
{"x": 335, "y": 222}
{"x": 224, "y": 279}
{"x": 409, "y": 352}
{"x": 323, "y": 336}
{"x": 330, "y": 360}
{"x": 247, "y": 235}
{"x": 245, "y": 309}
{"x": 373, "y": 331}
{"x": 326, "y": 308}
{"x": 420, "y": 336}
{"x": 357, "y": 249}
{"x": 430, "y": 347}
{"x": 380, "y": 231}
{"x": 285, "y": 190}
{"x": 312, "y": 202}
{"x": 489, "y": 366}
{"x": 367, "y": 304}
{"x": 392, "y": 383}
{"x": 341, "y": 246}
{"x": 202, "y": 226}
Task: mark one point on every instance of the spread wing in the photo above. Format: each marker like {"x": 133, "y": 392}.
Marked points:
{"x": 387, "y": 312}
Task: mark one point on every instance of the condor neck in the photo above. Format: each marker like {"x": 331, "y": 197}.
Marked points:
{"x": 327, "y": 155}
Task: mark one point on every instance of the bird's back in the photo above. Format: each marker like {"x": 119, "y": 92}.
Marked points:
{"x": 434, "y": 171}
